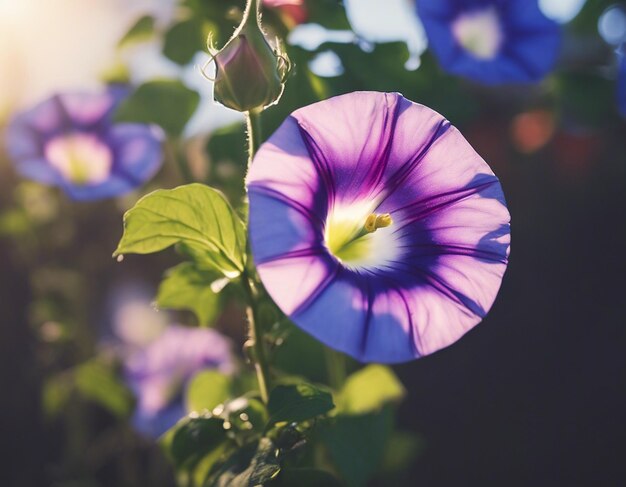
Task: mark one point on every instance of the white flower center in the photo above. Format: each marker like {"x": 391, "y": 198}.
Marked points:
{"x": 479, "y": 33}
{"x": 80, "y": 158}
{"x": 360, "y": 238}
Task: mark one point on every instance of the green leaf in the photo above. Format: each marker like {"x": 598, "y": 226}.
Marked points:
{"x": 206, "y": 390}
{"x": 194, "y": 438}
{"x": 369, "y": 389}
{"x": 97, "y": 382}
{"x": 57, "y": 392}
{"x": 305, "y": 477}
{"x": 167, "y": 103}
{"x": 357, "y": 444}
{"x": 249, "y": 466}
{"x": 195, "y": 215}
{"x": 187, "y": 287}
{"x": 183, "y": 40}
{"x": 141, "y": 30}
{"x": 300, "y": 354}
{"x": 264, "y": 465}
{"x": 247, "y": 416}
{"x": 298, "y": 402}
{"x": 203, "y": 468}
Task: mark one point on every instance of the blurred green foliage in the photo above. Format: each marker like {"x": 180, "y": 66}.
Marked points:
{"x": 167, "y": 103}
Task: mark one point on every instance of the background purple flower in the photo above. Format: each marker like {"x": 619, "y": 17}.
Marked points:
{"x": 407, "y": 289}
{"x": 159, "y": 371}
{"x": 491, "y": 41}
{"x": 70, "y": 141}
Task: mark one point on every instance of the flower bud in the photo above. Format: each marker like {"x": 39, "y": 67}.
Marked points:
{"x": 249, "y": 73}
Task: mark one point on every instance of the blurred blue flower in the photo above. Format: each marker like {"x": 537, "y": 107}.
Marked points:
{"x": 70, "y": 141}
{"x": 491, "y": 41}
{"x": 159, "y": 371}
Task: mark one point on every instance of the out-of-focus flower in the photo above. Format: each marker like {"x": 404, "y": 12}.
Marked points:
{"x": 394, "y": 229}
{"x": 293, "y": 12}
{"x": 135, "y": 321}
{"x": 491, "y": 41}
{"x": 249, "y": 72}
{"x": 70, "y": 141}
{"x": 159, "y": 371}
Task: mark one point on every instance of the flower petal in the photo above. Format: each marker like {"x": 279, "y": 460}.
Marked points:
{"x": 138, "y": 151}
{"x": 86, "y": 110}
{"x": 350, "y": 152}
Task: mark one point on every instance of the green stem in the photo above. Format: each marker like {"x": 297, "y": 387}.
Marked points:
{"x": 255, "y": 333}
{"x": 336, "y": 367}
{"x": 255, "y": 340}
{"x": 255, "y": 136}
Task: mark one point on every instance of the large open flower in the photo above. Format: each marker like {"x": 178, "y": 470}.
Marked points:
{"x": 70, "y": 140}
{"x": 376, "y": 227}
{"x": 491, "y": 41}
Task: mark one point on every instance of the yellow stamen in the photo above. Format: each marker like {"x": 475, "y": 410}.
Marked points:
{"x": 374, "y": 222}
{"x": 370, "y": 223}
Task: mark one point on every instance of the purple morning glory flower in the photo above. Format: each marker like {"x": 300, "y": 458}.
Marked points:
{"x": 70, "y": 141}
{"x": 491, "y": 41}
{"x": 159, "y": 371}
{"x": 376, "y": 227}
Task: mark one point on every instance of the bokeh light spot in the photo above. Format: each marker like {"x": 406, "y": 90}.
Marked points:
{"x": 612, "y": 25}
{"x": 561, "y": 11}
{"x": 532, "y": 130}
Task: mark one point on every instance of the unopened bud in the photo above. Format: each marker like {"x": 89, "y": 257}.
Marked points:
{"x": 250, "y": 75}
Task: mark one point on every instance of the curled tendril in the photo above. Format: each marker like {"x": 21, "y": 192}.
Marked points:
{"x": 284, "y": 63}
{"x": 203, "y": 69}
{"x": 213, "y": 51}
{"x": 284, "y": 67}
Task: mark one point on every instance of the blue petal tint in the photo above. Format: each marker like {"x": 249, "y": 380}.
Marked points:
{"x": 70, "y": 141}
{"x": 155, "y": 425}
{"x": 527, "y": 41}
